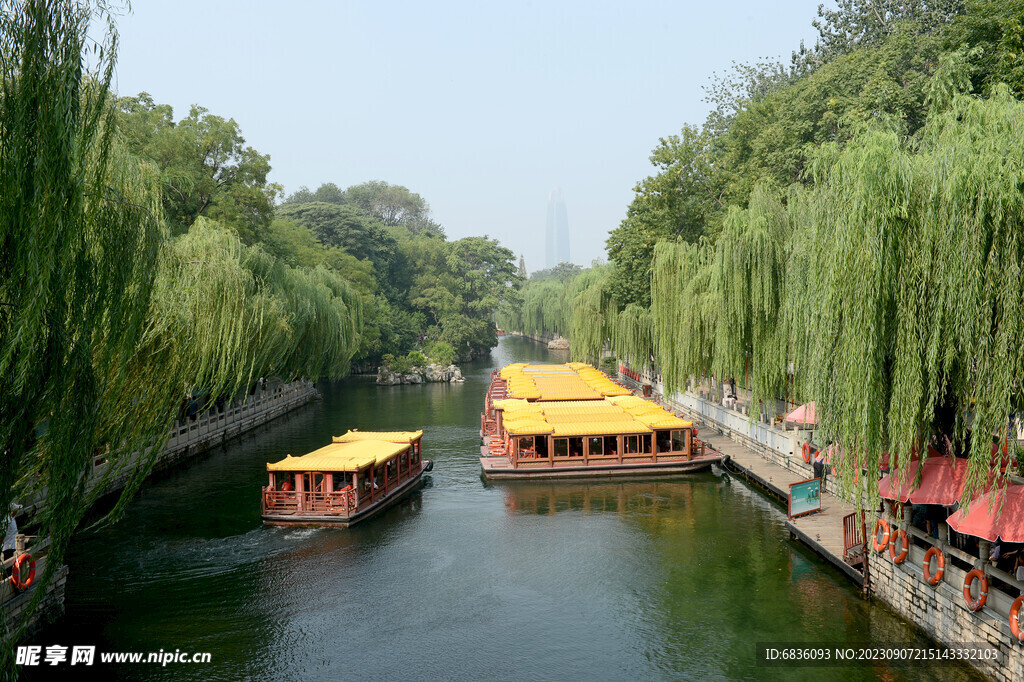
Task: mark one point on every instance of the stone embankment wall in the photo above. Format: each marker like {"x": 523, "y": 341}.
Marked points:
{"x": 942, "y": 613}
{"x": 539, "y": 338}
{"x": 190, "y": 438}
{"x": 939, "y": 611}
{"x": 51, "y": 608}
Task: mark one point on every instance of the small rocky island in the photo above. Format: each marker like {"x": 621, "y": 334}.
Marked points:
{"x": 416, "y": 368}
{"x": 420, "y": 375}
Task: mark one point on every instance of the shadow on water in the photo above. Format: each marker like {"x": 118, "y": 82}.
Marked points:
{"x": 516, "y": 580}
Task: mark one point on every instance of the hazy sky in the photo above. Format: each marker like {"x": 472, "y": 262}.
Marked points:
{"x": 480, "y": 107}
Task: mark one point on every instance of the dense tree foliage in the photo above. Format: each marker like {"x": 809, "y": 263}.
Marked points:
{"x": 106, "y": 319}
{"x": 893, "y": 285}
{"x": 430, "y": 291}
{"x": 206, "y": 169}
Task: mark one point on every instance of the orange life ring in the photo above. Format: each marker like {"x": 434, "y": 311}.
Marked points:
{"x": 902, "y": 556}
{"x": 934, "y": 579}
{"x": 880, "y": 545}
{"x": 16, "y": 571}
{"x": 1015, "y": 627}
{"x": 972, "y": 575}
{"x": 807, "y": 453}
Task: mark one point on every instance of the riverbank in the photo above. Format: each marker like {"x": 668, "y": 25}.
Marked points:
{"x": 188, "y": 438}
{"x": 771, "y": 458}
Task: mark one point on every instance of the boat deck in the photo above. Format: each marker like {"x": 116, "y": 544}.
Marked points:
{"x": 501, "y": 468}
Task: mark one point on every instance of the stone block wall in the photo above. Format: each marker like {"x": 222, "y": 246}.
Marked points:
{"x": 941, "y": 612}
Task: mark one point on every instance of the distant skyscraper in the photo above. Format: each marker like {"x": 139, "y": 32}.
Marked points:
{"x": 557, "y": 243}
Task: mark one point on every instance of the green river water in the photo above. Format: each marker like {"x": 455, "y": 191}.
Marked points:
{"x": 465, "y": 580}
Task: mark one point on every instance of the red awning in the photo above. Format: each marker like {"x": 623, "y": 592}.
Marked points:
{"x": 803, "y": 414}
{"x": 942, "y": 482}
{"x": 984, "y": 520}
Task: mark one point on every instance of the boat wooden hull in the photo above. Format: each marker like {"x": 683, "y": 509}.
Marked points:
{"x": 340, "y": 521}
{"x": 499, "y": 468}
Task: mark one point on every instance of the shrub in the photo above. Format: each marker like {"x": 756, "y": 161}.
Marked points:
{"x": 442, "y": 353}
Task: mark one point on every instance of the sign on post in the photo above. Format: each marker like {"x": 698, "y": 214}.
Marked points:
{"x": 804, "y": 497}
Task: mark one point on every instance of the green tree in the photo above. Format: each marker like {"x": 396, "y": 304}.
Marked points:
{"x": 682, "y": 201}
{"x": 206, "y": 168}
{"x": 391, "y": 204}
{"x": 349, "y": 228}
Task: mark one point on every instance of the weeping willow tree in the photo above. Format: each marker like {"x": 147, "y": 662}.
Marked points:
{"x": 545, "y": 308}
{"x": 594, "y": 314}
{"x": 920, "y": 286}
{"x": 748, "y": 277}
{"x": 892, "y": 287}
{"x": 634, "y": 335}
{"x": 683, "y": 311}
{"x": 104, "y": 323}
{"x": 79, "y": 238}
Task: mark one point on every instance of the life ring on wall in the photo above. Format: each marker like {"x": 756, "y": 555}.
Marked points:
{"x": 934, "y": 579}
{"x": 16, "y": 571}
{"x": 880, "y": 545}
{"x": 806, "y": 449}
{"x": 1015, "y": 627}
{"x": 902, "y": 556}
{"x": 972, "y": 575}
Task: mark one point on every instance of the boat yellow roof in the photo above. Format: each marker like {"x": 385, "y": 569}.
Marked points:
{"x": 389, "y": 436}
{"x": 348, "y": 456}
{"x": 587, "y": 417}
{"x": 570, "y": 381}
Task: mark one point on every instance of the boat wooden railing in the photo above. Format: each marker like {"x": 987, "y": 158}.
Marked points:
{"x": 340, "y": 502}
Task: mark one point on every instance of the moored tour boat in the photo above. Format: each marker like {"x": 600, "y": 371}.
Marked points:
{"x": 561, "y": 421}
{"x": 358, "y": 475}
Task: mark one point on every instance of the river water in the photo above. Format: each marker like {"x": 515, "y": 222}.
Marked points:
{"x": 465, "y": 580}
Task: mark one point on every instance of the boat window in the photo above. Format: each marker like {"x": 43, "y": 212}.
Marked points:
{"x": 596, "y": 446}
{"x": 664, "y": 441}
{"x": 576, "y": 447}
{"x": 526, "y": 446}
{"x": 364, "y": 479}
{"x": 561, "y": 447}
{"x": 679, "y": 441}
{"x": 542, "y": 447}
{"x": 611, "y": 445}
{"x": 631, "y": 444}
{"x": 391, "y": 469}
{"x": 645, "y": 444}
{"x": 416, "y": 454}
{"x": 378, "y": 477}
{"x": 340, "y": 480}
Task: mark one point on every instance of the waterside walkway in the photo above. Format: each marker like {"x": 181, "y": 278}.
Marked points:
{"x": 823, "y": 531}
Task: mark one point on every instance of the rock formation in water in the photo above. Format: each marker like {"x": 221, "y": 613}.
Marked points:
{"x": 432, "y": 373}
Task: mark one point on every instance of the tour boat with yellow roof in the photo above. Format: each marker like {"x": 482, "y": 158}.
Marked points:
{"x": 356, "y": 476}
{"x": 571, "y": 420}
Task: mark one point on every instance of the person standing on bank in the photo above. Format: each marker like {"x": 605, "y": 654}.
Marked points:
{"x": 819, "y": 467}
{"x": 11, "y": 533}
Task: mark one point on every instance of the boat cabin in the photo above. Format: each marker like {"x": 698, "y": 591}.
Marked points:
{"x": 619, "y": 430}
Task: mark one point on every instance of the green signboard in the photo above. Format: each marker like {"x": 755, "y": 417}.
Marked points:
{"x": 804, "y": 497}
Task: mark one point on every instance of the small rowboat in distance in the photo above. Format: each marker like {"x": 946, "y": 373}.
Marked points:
{"x": 358, "y": 475}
